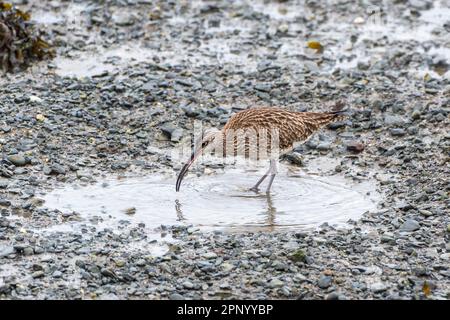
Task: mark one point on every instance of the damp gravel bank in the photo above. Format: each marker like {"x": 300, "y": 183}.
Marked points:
{"x": 129, "y": 79}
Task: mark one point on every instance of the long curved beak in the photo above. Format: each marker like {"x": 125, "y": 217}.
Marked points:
{"x": 185, "y": 168}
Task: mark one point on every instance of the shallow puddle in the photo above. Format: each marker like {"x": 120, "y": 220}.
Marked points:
{"x": 220, "y": 201}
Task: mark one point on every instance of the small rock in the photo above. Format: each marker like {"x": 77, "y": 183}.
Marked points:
{"x": 283, "y": 28}
{"x": 355, "y": 146}
{"x": 209, "y": 255}
{"x": 298, "y": 256}
{"x": 227, "y": 267}
{"x": 393, "y": 120}
{"x": 6, "y": 251}
{"x": 378, "y": 287}
{"x": 17, "y": 160}
{"x": 123, "y": 19}
{"x": 420, "y": 4}
{"x": 176, "y": 296}
{"x": 388, "y": 237}
{"x": 426, "y": 213}
{"x": 225, "y": 286}
{"x": 120, "y": 263}
{"x": 176, "y": 135}
{"x": 410, "y": 225}
{"x": 295, "y": 158}
{"x": 57, "y": 274}
{"x": 38, "y": 274}
{"x": 54, "y": 169}
{"x": 324, "y": 146}
{"x": 275, "y": 283}
{"x": 416, "y": 115}
{"x": 324, "y": 282}
{"x": 397, "y": 132}
{"x": 332, "y": 296}
{"x": 35, "y": 99}
{"x": 28, "y": 251}
{"x": 263, "y": 87}
{"x": 188, "y": 285}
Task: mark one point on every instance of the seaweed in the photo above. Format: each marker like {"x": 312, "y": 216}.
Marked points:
{"x": 20, "y": 41}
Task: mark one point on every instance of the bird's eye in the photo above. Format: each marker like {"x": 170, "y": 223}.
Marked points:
{"x": 204, "y": 144}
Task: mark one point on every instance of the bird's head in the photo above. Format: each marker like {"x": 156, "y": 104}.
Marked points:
{"x": 203, "y": 145}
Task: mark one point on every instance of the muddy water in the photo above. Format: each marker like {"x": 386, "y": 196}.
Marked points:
{"x": 220, "y": 201}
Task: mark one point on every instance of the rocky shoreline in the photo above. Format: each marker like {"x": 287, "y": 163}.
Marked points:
{"x": 165, "y": 64}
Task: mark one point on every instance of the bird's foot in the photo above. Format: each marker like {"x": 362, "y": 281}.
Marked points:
{"x": 254, "y": 189}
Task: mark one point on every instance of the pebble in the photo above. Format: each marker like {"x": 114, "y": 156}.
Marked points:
{"x": 209, "y": 255}
{"x": 355, "y": 146}
{"x": 6, "y": 251}
{"x": 410, "y": 225}
{"x": 324, "y": 146}
{"x": 176, "y": 135}
{"x": 17, "y": 160}
{"x": 324, "y": 282}
{"x": 332, "y": 296}
{"x": 38, "y": 274}
{"x": 35, "y": 99}
{"x": 176, "y": 296}
{"x": 275, "y": 283}
{"x": 426, "y": 213}
{"x": 227, "y": 267}
{"x": 392, "y": 120}
{"x": 123, "y": 19}
{"x": 398, "y": 132}
{"x": 188, "y": 285}
{"x": 378, "y": 287}
{"x": 28, "y": 251}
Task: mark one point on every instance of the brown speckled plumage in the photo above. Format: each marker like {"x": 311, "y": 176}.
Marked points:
{"x": 293, "y": 127}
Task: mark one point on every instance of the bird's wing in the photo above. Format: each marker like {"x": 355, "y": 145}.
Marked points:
{"x": 291, "y": 127}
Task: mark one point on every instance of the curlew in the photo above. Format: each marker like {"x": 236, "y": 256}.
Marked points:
{"x": 262, "y": 133}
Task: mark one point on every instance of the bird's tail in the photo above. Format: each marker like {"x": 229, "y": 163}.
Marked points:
{"x": 338, "y": 109}
{"x": 319, "y": 119}
{"x": 338, "y": 112}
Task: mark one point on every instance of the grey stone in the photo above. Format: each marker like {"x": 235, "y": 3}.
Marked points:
{"x": 176, "y": 296}
{"x": 390, "y": 120}
{"x": 275, "y": 283}
{"x": 123, "y": 19}
{"x": 324, "y": 282}
{"x": 6, "y": 251}
{"x": 188, "y": 284}
{"x": 176, "y": 135}
{"x": 17, "y": 160}
{"x": 410, "y": 225}
{"x": 397, "y": 132}
{"x": 378, "y": 287}
{"x": 209, "y": 255}
{"x": 28, "y": 251}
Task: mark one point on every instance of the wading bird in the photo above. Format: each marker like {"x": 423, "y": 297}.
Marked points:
{"x": 263, "y": 133}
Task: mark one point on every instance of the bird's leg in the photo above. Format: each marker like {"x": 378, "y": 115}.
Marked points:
{"x": 255, "y": 187}
{"x": 273, "y": 171}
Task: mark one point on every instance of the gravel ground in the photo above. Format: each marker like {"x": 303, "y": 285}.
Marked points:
{"x": 164, "y": 64}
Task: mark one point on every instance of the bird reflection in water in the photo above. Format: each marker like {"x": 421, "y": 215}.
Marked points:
{"x": 269, "y": 221}
{"x": 271, "y": 213}
{"x": 180, "y": 216}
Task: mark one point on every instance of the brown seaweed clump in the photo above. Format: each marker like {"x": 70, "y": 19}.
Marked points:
{"x": 20, "y": 41}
